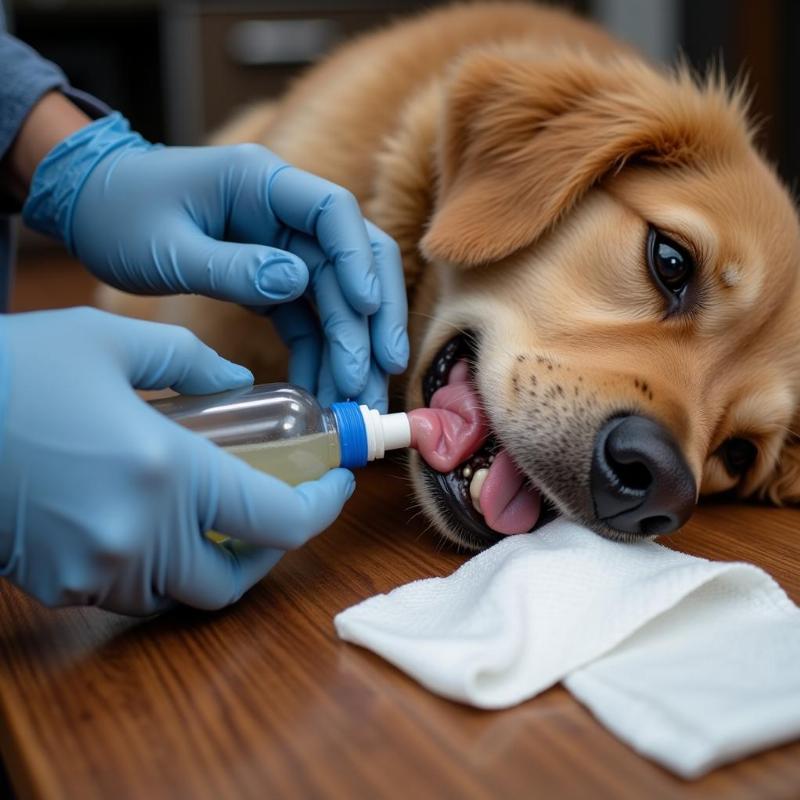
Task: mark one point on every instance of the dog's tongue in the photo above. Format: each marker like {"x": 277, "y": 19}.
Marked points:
{"x": 451, "y": 430}
{"x": 508, "y": 502}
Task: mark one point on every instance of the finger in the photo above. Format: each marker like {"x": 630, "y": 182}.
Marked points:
{"x": 262, "y": 510}
{"x": 250, "y": 274}
{"x": 389, "y": 324}
{"x": 327, "y": 391}
{"x": 298, "y": 328}
{"x": 376, "y": 394}
{"x": 216, "y": 575}
{"x": 346, "y": 332}
{"x": 331, "y": 215}
{"x": 158, "y": 356}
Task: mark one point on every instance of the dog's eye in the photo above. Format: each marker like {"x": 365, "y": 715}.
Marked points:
{"x": 738, "y": 455}
{"x": 669, "y": 263}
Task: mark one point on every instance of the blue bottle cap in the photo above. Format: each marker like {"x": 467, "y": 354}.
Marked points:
{"x": 352, "y": 434}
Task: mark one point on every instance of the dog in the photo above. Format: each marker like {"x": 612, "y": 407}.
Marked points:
{"x": 593, "y": 243}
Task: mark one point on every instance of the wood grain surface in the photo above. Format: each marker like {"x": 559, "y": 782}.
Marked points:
{"x": 261, "y": 700}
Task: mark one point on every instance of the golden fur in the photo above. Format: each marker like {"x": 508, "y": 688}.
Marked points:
{"x": 518, "y": 155}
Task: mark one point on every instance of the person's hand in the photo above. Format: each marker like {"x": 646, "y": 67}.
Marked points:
{"x": 105, "y": 501}
{"x": 239, "y": 224}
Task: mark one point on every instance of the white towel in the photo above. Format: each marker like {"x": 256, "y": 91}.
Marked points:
{"x": 693, "y": 663}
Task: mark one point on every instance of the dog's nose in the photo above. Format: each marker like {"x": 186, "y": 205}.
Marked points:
{"x": 640, "y": 481}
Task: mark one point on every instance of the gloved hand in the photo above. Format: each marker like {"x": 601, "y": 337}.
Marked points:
{"x": 105, "y": 501}
{"x": 235, "y": 223}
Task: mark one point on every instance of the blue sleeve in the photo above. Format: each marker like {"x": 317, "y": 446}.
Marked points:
{"x": 5, "y": 379}
{"x": 24, "y": 77}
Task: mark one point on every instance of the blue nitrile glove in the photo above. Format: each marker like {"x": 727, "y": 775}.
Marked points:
{"x": 105, "y": 501}
{"x": 239, "y": 224}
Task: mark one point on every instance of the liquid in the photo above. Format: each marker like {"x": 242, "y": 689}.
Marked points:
{"x": 292, "y": 460}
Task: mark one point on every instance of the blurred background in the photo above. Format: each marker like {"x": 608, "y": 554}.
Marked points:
{"x": 179, "y": 68}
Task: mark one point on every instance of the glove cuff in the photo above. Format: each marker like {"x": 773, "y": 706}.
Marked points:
{"x": 60, "y": 176}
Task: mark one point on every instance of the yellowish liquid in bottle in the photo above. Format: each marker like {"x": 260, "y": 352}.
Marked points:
{"x": 291, "y": 460}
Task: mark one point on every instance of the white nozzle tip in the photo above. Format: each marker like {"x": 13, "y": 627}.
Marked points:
{"x": 396, "y": 431}
{"x": 385, "y": 432}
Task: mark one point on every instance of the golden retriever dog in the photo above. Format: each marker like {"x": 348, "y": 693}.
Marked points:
{"x": 595, "y": 252}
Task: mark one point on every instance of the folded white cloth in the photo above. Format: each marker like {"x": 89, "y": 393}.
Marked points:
{"x": 693, "y": 663}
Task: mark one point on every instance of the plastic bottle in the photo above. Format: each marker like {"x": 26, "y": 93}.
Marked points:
{"x": 282, "y": 429}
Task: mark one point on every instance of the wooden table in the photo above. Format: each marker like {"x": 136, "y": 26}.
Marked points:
{"x": 262, "y": 700}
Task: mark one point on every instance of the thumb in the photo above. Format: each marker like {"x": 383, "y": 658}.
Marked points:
{"x": 250, "y": 274}
{"x": 262, "y": 514}
{"x": 262, "y": 510}
{"x": 158, "y": 356}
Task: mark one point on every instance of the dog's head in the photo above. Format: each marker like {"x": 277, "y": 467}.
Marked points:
{"x": 618, "y": 266}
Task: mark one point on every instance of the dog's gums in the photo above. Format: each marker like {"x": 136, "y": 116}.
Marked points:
{"x": 453, "y": 432}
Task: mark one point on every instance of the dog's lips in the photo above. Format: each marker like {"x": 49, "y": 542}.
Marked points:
{"x": 455, "y": 439}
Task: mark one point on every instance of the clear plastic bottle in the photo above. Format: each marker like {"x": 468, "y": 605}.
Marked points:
{"x": 282, "y": 429}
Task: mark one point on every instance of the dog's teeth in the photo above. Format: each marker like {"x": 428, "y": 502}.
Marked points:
{"x": 467, "y": 472}
{"x": 475, "y": 488}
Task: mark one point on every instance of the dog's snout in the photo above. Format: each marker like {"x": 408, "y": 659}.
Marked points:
{"x": 640, "y": 481}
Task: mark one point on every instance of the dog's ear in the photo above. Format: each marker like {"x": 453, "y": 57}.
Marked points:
{"x": 522, "y": 139}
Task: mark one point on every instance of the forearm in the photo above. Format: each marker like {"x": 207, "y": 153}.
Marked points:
{"x": 51, "y": 119}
